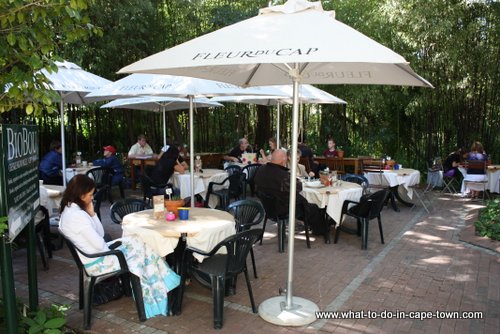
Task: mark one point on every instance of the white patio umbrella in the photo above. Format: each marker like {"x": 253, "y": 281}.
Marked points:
{"x": 296, "y": 42}
{"x": 307, "y": 94}
{"x": 72, "y": 83}
{"x": 174, "y": 86}
{"x": 160, "y": 104}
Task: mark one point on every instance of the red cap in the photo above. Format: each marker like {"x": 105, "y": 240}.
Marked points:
{"x": 110, "y": 148}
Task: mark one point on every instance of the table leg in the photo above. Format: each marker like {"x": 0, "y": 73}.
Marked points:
{"x": 396, "y": 193}
{"x": 393, "y": 194}
{"x": 178, "y": 260}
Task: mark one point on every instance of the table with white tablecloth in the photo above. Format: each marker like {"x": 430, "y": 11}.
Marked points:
{"x": 201, "y": 182}
{"x": 50, "y": 198}
{"x": 406, "y": 176}
{"x": 332, "y": 197}
{"x": 492, "y": 177}
{"x": 399, "y": 181}
{"x": 72, "y": 171}
{"x": 204, "y": 229}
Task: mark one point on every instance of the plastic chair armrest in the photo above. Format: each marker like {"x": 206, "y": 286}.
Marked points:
{"x": 113, "y": 252}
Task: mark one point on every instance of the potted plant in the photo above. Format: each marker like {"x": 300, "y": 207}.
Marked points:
{"x": 340, "y": 152}
{"x": 173, "y": 203}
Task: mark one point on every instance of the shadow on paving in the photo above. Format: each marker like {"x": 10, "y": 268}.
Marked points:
{"x": 423, "y": 266}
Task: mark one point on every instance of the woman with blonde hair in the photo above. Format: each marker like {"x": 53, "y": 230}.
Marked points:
{"x": 273, "y": 145}
{"x": 476, "y": 153}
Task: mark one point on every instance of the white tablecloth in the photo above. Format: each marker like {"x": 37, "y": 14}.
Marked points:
{"x": 494, "y": 178}
{"x": 50, "y": 198}
{"x": 333, "y": 197}
{"x": 435, "y": 178}
{"x": 213, "y": 175}
{"x": 406, "y": 177}
{"x": 201, "y": 181}
{"x": 183, "y": 182}
{"x": 72, "y": 171}
{"x": 204, "y": 229}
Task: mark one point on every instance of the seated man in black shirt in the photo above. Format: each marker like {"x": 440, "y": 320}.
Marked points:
{"x": 274, "y": 178}
{"x": 165, "y": 167}
{"x": 236, "y": 152}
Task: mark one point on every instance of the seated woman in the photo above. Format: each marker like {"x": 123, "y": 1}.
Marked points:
{"x": 79, "y": 223}
{"x": 167, "y": 163}
{"x": 476, "y": 153}
{"x": 301, "y": 169}
{"x": 272, "y": 146}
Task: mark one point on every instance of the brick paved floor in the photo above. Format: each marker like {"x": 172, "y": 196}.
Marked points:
{"x": 423, "y": 266}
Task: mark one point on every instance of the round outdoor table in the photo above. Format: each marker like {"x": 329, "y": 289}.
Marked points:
{"x": 201, "y": 182}
{"x": 204, "y": 229}
{"x": 399, "y": 182}
{"x": 332, "y": 197}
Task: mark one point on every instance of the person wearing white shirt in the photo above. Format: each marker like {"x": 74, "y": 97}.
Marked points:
{"x": 141, "y": 148}
{"x": 79, "y": 223}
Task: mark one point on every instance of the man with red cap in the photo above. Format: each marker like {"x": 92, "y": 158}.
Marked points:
{"x": 111, "y": 161}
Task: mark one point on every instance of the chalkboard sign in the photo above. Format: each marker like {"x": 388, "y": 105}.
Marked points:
{"x": 19, "y": 194}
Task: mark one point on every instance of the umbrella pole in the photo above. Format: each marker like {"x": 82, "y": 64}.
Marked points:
{"x": 290, "y": 311}
{"x": 191, "y": 148}
{"x": 63, "y": 144}
{"x": 278, "y": 127}
{"x": 164, "y": 125}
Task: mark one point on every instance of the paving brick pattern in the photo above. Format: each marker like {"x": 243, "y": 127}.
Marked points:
{"x": 423, "y": 266}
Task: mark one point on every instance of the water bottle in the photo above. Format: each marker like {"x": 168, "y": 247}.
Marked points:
{"x": 78, "y": 158}
{"x": 197, "y": 164}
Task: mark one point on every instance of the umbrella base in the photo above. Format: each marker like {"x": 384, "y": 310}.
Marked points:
{"x": 302, "y": 313}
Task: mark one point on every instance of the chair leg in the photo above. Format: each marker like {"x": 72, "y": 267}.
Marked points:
{"x": 139, "y": 302}
{"x": 308, "y": 242}
{"x": 380, "y": 229}
{"x": 337, "y": 233}
{"x": 81, "y": 292}
{"x": 41, "y": 249}
{"x": 250, "y": 293}
{"x": 263, "y": 229}
{"x": 252, "y": 256}
{"x": 218, "y": 290}
{"x": 110, "y": 195}
{"x": 281, "y": 235}
{"x": 122, "y": 192}
{"x": 88, "y": 295}
{"x": 127, "y": 290}
{"x": 364, "y": 234}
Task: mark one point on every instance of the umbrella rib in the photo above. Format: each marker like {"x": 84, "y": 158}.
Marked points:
{"x": 250, "y": 77}
{"x": 416, "y": 76}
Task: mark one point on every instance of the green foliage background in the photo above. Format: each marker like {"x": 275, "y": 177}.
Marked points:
{"x": 452, "y": 43}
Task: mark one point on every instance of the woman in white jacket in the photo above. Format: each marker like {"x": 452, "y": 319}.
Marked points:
{"x": 79, "y": 223}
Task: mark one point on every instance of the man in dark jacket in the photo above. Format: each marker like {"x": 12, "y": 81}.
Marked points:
{"x": 274, "y": 178}
{"x": 51, "y": 165}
